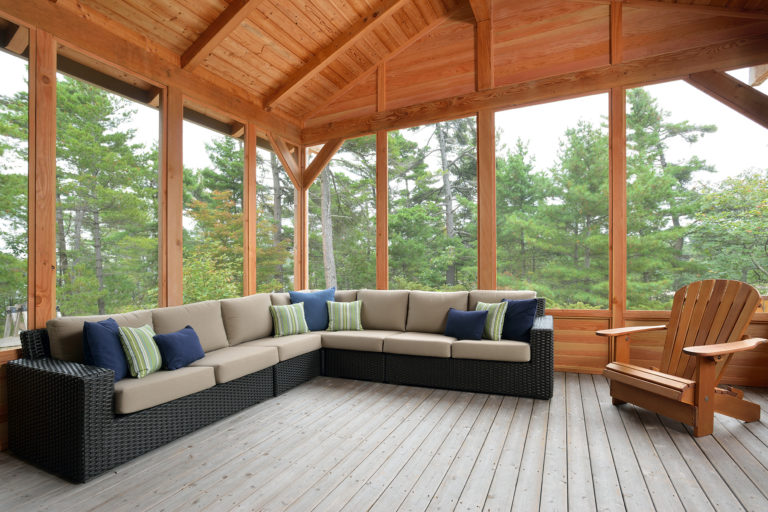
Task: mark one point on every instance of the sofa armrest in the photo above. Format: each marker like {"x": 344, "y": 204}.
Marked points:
{"x": 542, "y": 340}
{"x": 59, "y": 414}
{"x": 35, "y": 344}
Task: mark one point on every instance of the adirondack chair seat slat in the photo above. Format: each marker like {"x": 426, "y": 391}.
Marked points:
{"x": 669, "y": 386}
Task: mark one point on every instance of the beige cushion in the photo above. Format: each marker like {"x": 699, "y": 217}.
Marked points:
{"x": 476, "y": 296}
{"x": 247, "y": 318}
{"x": 419, "y": 344}
{"x": 66, "y": 333}
{"x": 383, "y": 309}
{"x": 157, "y": 388}
{"x": 366, "y": 341}
{"x": 289, "y": 346}
{"x": 204, "y": 317}
{"x": 345, "y": 295}
{"x": 504, "y": 350}
{"x": 428, "y": 311}
{"x": 280, "y": 298}
{"x": 231, "y": 363}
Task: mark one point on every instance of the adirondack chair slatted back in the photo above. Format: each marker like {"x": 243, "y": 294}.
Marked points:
{"x": 703, "y": 313}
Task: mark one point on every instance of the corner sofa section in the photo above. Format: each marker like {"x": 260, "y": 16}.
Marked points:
{"x": 74, "y": 420}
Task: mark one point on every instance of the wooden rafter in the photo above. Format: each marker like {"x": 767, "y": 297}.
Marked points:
{"x": 617, "y": 28}
{"x": 17, "y": 40}
{"x": 744, "y": 99}
{"x": 228, "y": 20}
{"x": 758, "y": 75}
{"x": 320, "y": 161}
{"x": 481, "y": 9}
{"x": 711, "y": 10}
{"x": 730, "y": 54}
{"x": 347, "y": 39}
{"x": 484, "y": 55}
{"x": 289, "y": 160}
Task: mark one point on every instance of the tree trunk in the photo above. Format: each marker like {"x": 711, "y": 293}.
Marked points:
{"x": 99, "y": 261}
{"x": 329, "y": 261}
{"x": 277, "y": 209}
{"x": 450, "y": 272}
{"x": 61, "y": 242}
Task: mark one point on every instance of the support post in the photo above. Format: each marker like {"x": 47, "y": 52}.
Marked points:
{"x": 41, "y": 285}
{"x": 486, "y": 200}
{"x": 617, "y": 280}
{"x": 171, "y": 198}
{"x": 250, "y": 212}
{"x": 382, "y": 187}
{"x": 301, "y": 235}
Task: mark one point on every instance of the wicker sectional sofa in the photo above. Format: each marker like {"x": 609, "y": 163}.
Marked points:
{"x": 74, "y": 420}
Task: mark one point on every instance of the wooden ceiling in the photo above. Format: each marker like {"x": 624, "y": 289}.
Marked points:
{"x": 311, "y": 63}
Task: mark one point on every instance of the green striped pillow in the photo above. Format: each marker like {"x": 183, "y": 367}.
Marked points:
{"x": 494, "y": 322}
{"x": 344, "y": 316}
{"x": 140, "y": 350}
{"x": 289, "y": 319}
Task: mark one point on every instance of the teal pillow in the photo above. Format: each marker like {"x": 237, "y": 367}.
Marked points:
{"x": 289, "y": 320}
{"x": 344, "y": 316}
{"x": 140, "y": 350}
{"x": 494, "y": 322}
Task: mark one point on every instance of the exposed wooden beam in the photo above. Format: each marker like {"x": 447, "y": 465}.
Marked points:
{"x": 617, "y": 208}
{"x": 250, "y": 210}
{"x": 482, "y": 9}
{"x": 320, "y": 161}
{"x": 365, "y": 74}
{"x": 41, "y": 211}
{"x": 730, "y": 54}
{"x": 484, "y": 55}
{"x": 486, "y": 200}
{"x": 119, "y": 49}
{"x": 17, "y": 39}
{"x": 710, "y": 10}
{"x": 381, "y": 87}
{"x": 758, "y": 75}
{"x": 237, "y": 130}
{"x": 617, "y": 28}
{"x": 228, "y": 20}
{"x": 347, "y": 39}
{"x": 741, "y": 97}
{"x": 82, "y": 72}
{"x": 288, "y": 159}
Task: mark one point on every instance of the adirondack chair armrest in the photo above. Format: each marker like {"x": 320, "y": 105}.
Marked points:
{"x": 722, "y": 349}
{"x": 624, "y": 331}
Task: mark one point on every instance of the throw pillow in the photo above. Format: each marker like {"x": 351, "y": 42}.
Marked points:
{"x": 101, "y": 347}
{"x": 179, "y": 348}
{"x": 289, "y": 319}
{"x": 140, "y": 350}
{"x": 465, "y": 325}
{"x": 344, "y": 316}
{"x": 315, "y": 310}
{"x": 494, "y": 323}
{"x": 519, "y": 319}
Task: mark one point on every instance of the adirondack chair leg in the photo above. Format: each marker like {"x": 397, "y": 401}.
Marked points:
{"x": 741, "y": 409}
{"x": 705, "y": 397}
{"x": 616, "y": 401}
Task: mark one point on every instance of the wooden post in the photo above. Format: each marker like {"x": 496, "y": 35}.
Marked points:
{"x": 617, "y": 280}
{"x": 301, "y": 227}
{"x": 250, "y": 211}
{"x": 171, "y": 198}
{"x": 41, "y": 285}
{"x": 486, "y": 200}
{"x": 382, "y": 187}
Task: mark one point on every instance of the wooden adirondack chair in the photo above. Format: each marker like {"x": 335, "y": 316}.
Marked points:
{"x": 705, "y": 330}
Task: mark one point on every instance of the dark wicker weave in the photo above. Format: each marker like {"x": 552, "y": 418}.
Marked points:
{"x": 353, "y": 364}
{"x": 297, "y": 370}
{"x": 431, "y": 372}
{"x": 62, "y": 416}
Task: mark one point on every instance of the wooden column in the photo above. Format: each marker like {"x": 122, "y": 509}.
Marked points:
{"x": 171, "y": 198}
{"x": 382, "y": 187}
{"x": 617, "y": 282}
{"x": 41, "y": 296}
{"x": 250, "y": 211}
{"x": 486, "y": 200}
{"x": 301, "y": 241}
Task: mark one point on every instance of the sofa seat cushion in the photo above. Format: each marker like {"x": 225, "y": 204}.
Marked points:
{"x": 290, "y": 346}
{"x": 419, "y": 344}
{"x": 204, "y": 317}
{"x": 132, "y": 395}
{"x": 364, "y": 341}
{"x": 231, "y": 363}
{"x": 503, "y": 350}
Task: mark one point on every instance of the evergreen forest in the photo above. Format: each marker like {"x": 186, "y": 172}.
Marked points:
{"x": 552, "y": 222}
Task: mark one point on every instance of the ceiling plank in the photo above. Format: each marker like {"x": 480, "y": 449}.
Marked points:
{"x": 758, "y": 75}
{"x": 287, "y": 158}
{"x": 744, "y": 99}
{"x": 730, "y": 54}
{"x": 320, "y": 161}
{"x": 711, "y": 10}
{"x": 481, "y": 9}
{"x": 228, "y": 20}
{"x": 347, "y": 39}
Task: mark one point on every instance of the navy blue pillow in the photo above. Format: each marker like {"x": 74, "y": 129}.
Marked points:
{"x": 179, "y": 348}
{"x": 519, "y": 319}
{"x": 315, "y": 307}
{"x": 101, "y": 347}
{"x": 465, "y": 325}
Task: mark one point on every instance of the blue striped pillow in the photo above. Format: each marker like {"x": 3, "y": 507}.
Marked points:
{"x": 344, "y": 316}
{"x": 289, "y": 320}
{"x": 140, "y": 350}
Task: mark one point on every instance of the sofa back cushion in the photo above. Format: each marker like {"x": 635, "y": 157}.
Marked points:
{"x": 280, "y": 298}
{"x": 428, "y": 311}
{"x": 384, "y": 310}
{"x": 247, "y": 318}
{"x": 204, "y": 317}
{"x": 476, "y": 296}
{"x": 66, "y": 333}
{"x": 346, "y": 295}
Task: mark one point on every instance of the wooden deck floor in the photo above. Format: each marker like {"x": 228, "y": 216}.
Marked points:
{"x": 335, "y": 444}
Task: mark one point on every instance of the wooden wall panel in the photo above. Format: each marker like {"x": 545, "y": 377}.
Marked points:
{"x": 360, "y": 100}
{"x": 577, "y": 347}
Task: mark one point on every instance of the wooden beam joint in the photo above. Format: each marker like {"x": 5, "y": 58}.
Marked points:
{"x": 744, "y": 99}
